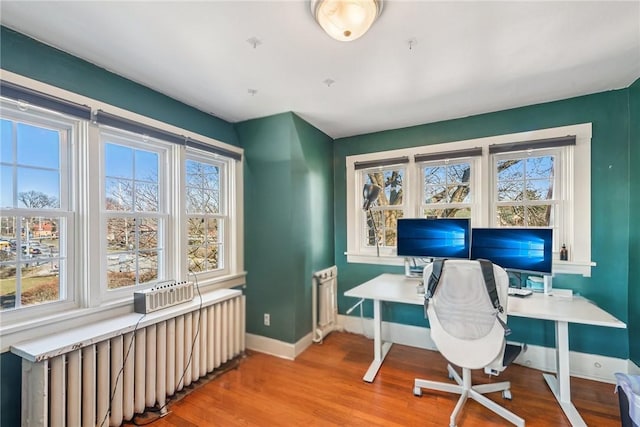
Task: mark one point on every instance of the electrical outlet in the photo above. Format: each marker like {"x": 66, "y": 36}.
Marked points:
{"x": 267, "y": 319}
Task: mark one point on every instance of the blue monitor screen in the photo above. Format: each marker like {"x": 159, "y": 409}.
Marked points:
{"x": 523, "y": 249}
{"x": 433, "y": 238}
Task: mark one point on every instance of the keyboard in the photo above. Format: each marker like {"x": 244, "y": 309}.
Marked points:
{"x": 519, "y": 292}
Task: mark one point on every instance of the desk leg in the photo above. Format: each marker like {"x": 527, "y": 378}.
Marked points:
{"x": 380, "y": 349}
{"x": 561, "y": 385}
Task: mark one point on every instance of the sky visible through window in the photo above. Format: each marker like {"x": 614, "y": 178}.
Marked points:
{"x": 34, "y": 158}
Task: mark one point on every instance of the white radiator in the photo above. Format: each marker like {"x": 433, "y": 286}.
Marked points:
{"x": 324, "y": 304}
{"x": 84, "y": 380}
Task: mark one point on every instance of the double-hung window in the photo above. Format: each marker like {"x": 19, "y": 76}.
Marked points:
{"x": 97, "y": 202}
{"x": 447, "y": 183}
{"x": 531, "y": 188}
{"x": 134, "y": 209}
{"x": 378, "y": 223}
{"x": 516, "y": 180}
{"x": 37, "y": 208}
{"x": 207, "y": 213}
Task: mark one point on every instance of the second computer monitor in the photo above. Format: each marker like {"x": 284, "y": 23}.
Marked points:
{"x": 521, "y": 249}
{"x": 433, "y": 238}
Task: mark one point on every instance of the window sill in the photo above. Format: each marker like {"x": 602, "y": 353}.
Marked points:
{"x": 573, "y": 267}
{"x": 374, "y": 259}
{"x": 52, "y": 345}
{"x": 12, "y": 334}
{"x": 559, "y": 267}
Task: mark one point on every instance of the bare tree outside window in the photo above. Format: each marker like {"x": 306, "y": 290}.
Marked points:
{"x": 132, "y": 196}
{"x": 387, "y": 209}
{"x": 205, "y": 212}
{"x": 30, "y": 253}
{"x": 447, "y": 190}
{"x": 525, "y": 191}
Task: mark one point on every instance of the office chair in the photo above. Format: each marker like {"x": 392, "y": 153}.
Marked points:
{"x": 469, "y": 332}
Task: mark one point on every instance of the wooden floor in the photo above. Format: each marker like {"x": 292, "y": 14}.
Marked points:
{"x": 324, "y": 387}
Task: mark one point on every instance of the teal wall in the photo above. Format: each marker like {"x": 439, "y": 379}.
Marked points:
{"x": 288, "y": 221}
{"x": 610, "y": 218}
{"x": 634, "y": 232}
{"x": 30, "y": 58}
{"x": 27, "y": 57}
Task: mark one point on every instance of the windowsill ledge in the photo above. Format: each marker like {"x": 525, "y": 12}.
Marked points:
{"x": 559, "y": 267}
{"x": 14, "y": 333}
{"x": 40, "y": 349}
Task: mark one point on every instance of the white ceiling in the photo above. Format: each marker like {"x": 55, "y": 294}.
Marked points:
{"x": 468, "y": 57}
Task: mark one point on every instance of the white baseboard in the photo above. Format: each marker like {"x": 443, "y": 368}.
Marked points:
{"x": 277, "y": 348}
{"x": 633, "y": 368}
{"x": 583, "y": 365}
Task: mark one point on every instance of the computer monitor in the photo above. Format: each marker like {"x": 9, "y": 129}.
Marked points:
{"x": 516, "y": 249}
{"x": 433, "y": 238}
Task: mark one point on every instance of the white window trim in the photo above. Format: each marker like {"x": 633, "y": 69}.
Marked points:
{"x": 166, "y": 186}
{"x": 67, "y": 210}
{"x": 474, "y": 183}
{"x": 578, "y": 212}
{"x": 225, "y": 166}
{"x": 87, "y": 306}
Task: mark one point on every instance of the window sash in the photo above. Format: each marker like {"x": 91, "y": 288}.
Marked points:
{"x": 194, "y": 154}
{"x": 570, "y": 213}
{"x": 63, "y": 214}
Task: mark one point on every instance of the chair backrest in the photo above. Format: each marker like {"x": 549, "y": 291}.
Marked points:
{"x": 464, "y": 323}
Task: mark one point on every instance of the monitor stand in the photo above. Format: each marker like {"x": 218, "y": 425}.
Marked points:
{"x": 413, "y": 268}
{"x": 547, "y": 285}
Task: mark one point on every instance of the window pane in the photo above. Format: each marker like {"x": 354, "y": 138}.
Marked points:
{"x": 386, "y": 222}
{"x": 510, "y": 191}
{"x": 539, "y": 216}
{"x": 435, "y": 194}
{"x": 194, "y": 200}
{"x": 8, "y": 285}
{"x": 120, "y": 271}
{"x": 539, "y": 189}
{"x": 38, "y": 285}
{"x": 508, "y": 170}
{"x": 391, "y": 182}
{"x": 197, "y": 258}
{"x": 118, "y": 194}
{"x": 373, "y": 227}
{"x": 539, "y": 167}
{"x": 146, "y": 197}
{"x": 458, "y": 173}
{"x": 148, "y": 266}
{"x": 211, "y": 203}
{"x": 120, "y": 234}
{"x": 212, "y": 257}
{"x": 511, "y": 216}
{"x": 148, "y": 237}
{"x": 6, "y": 141}
{"x": 203, "y": 187}
{"x": 38, "y": 146}
{"x": 448, "y": 213}
{"x": 146, "y": 166}
{"x": 458, "y": 194}
{"x": 6, "y": 186}
{"x": 38, "y": 188}
{"x": 118, "y": 161}
{"x": 434, "y": 175}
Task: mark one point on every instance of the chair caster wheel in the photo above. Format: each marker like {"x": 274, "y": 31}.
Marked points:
{"x": 417, "y": 391}
{"x": 506, "y": 394}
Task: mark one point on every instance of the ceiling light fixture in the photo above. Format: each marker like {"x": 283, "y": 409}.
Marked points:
{"x": 346, "y": 20}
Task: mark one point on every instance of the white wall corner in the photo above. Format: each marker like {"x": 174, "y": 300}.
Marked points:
{"x": 633, "y": 368}
{"x": 277, "y": 348}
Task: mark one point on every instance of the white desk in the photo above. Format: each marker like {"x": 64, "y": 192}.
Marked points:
{"x": 561, "y": 310}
